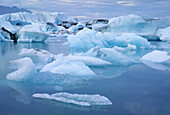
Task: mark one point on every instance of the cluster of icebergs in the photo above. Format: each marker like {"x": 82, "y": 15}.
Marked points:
{"x": 77, "y": 65}
{"x": 104, "y": 44}
{"x": 41, "y": 67}
{"x": 37, "y": 27}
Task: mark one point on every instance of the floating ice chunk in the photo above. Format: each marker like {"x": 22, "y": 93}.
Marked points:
{"x": 26, "y": 70}
{"x": 32, "y": 33}
{"x": 156, "y": 57}
{"x": 164, "y": 34}
{"x": 77, "y": 99}
{"x": 39, "y": 57}
{"x": 130, "y": 24}
{"x": 133, "y": 39}
{"x": 64, "y": 66}
{"x": 136, "y": 24}
{"x": 85, "y": 39}
{"x": 90, "y": 61}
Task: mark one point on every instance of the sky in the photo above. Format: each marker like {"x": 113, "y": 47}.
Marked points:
{"x": 96, "y": 8}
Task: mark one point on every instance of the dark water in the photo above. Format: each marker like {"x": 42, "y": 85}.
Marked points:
{"x": 134, "y": 90}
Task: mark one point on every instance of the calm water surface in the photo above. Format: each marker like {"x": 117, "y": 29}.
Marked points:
{"x": 134, "y": 90}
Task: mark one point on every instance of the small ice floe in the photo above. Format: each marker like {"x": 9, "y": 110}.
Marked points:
{"x": 77, "y": 99}
{"x": 156, "y": 56}
{"x": 26, "y": 70}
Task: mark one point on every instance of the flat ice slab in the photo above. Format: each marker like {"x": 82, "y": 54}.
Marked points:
{"x": 77, "y": 99}
{"x": 157, "y": 56}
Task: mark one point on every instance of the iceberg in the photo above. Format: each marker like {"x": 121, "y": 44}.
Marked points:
{"x": 164, "y": 34}
{"x": 136, "y": 24}
{"x": 32, "y": 33}
{"x": 39, "y": 57}
{"x": 65, "y": 66}
{"x": 156, "y": 56}
{"x": 77, "y": 99}
{"x": 87, "y": 39}
{"x": 26, "y": 70}
{"x": 130, "y": 38}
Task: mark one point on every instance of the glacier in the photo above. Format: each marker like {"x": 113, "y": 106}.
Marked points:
{"x": 25, "y": 70}
{"x": 77, "y": 99}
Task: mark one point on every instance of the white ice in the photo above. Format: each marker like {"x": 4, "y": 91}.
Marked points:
{"x": 32, "y": 33}
{"x": 87, "y": 39}
{"x": 65, "y": 66}
{"x": 136, "y": 24}
{"x": 156, "y": 56}
{"x": 77, "y": 99}
{"x": 26, "y": 70}
{"x": 164, "y": 34}
{"x": 39, "y": 57}
{"x": 35, "y": 17}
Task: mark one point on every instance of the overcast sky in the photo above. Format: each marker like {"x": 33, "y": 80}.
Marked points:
{"x": 96, "y": 8}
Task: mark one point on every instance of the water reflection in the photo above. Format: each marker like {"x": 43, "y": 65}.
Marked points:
{"x": 157, "y": 66}
{"x": 22, "y": 92}
{"x": 110, "y": 71}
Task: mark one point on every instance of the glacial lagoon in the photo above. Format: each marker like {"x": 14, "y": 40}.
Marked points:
{"x": 135, "y": 89}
